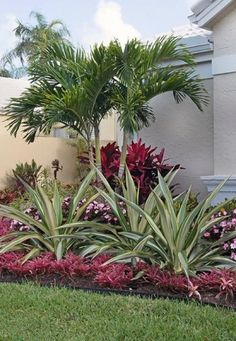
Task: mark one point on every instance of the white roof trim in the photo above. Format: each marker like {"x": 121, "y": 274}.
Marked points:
{"x": 187, "y": 31}
{"x": 209, "y": 13}
{"x": 200, "y": 5}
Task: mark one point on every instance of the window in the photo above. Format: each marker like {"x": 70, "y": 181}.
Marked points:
{"x": 61, "y": 133}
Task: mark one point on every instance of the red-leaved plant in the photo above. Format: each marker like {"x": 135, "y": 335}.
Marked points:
{"x": 143, "y": 162}
{"x": 220, "y": 283}
{"x": 110, "y": 161}
{"x": 7, "y": 196}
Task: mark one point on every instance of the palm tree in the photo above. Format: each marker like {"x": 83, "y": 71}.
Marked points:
{"x": 12, "y": 72}
{"x": 33, "y": 39}
{"x": 144, "y": 71}
{"x": 71, "y": 88}
{"x": 78, "y": 90}
{"x": 5, "y": 73}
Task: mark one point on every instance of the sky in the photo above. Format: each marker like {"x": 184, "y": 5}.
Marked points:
{"x": 91, "y": 21}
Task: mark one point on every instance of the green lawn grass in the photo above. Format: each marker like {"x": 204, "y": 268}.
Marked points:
{"x": 29, "y": 312}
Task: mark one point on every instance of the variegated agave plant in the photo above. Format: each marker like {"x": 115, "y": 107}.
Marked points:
{"x": 161, "y": 231}
{"x": 133, "y": 230}
{"x": 53, "y": 233}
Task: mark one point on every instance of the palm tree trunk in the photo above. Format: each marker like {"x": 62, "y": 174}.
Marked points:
{"x": 123, "y": 153}
{"x": 90, "y": 150}
{"x": 97, "y": 147}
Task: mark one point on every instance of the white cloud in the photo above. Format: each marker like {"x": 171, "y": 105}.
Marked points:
{"x": 109, "y": 24}
{"x": 191, "y": 2}
{"x": 7, "y": 37}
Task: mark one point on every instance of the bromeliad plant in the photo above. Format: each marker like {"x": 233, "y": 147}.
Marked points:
{"x": 176, "y": 237}
{"x": 28, "y": 172}
{"x": 50, "y": 231}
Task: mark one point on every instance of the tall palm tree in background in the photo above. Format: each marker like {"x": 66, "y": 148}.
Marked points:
{"x": 5, "y": 73}
{"x": 12, "y": 71}
{"x": 31, "y": 41}
{"x": 144, "y": 71}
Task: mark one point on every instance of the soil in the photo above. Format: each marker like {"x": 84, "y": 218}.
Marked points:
{"x": 142, "y": 289}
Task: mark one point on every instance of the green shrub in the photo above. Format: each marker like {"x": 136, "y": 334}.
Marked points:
{"x": 48, "y": 184}
{"x": 21, "y": 202}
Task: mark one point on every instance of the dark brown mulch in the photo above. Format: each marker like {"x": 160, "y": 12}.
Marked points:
{"x": 142, "y": 290}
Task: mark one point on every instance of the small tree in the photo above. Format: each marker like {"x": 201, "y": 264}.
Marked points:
{"x": 71, "y": 88}
{"x": 144, "y": 71}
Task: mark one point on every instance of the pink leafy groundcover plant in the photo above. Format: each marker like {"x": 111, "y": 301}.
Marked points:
{"x": 5, "y": 226}
{"x": 120, "y": 276}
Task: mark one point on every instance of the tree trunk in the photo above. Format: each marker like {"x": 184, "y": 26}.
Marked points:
{"x": 90, "y": 151}
{"x": 97, "y": 148}
{"x": 123, "y": 153}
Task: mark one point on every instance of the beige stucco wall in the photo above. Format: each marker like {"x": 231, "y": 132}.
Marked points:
{"x": 45, "y": 148}
{"x": 187, "y": 136}
{"x": 11, "y": 88}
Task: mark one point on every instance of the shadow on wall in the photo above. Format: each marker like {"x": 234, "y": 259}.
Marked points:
{"x": 187, "y": 136}
{"x": 44, "y": 150}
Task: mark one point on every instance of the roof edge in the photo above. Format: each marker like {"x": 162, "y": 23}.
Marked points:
{"x": 205, "y": 11}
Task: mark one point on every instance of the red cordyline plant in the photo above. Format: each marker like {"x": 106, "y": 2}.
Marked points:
{"x": 144, "y": 165}
{"x": 110, "y": 161}
{"x": 143, "y": 162}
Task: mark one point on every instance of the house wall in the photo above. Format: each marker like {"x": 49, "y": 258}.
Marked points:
{"x": 225, "y": 124}
{"x": 186, "y": 133}
{"x": 224, "y": 31}
{"x": 224, "y": 70}
{"x": 45, "y": 148}
{"x": 187, "y": 136}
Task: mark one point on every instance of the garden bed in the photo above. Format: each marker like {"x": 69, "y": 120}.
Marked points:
{"x": 147, "y": 291}
{"x": 216, "y": 288}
